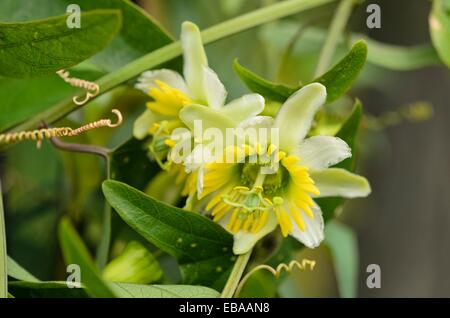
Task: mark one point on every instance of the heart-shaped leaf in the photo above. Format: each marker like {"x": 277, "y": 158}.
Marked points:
{"x": 203, "y": 248}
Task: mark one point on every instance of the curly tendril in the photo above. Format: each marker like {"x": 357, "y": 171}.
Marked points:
{"x": 47, "y": 133}
{"x": 92, "y": 88}
{"x": 303, "y": 266}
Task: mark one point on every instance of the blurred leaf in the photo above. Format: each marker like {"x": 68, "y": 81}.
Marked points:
{"x": 347, "y": 133}
{"x": 135, "y": 265}
{"x": 59, "y": 289}
{"x": 18, "y": 272}
{"x": 285, "y": 252}
{"x": 139, "y": 35}
{"x": 42, "y": 47}
{"x": 337, "y": 80}
{"x": 162, "y": 188}
{"x": 75, "y": 252}
{"x": 3, "y": 255}
{"x": 163, "y": 291}
{"x": 130, "y": 164}
{"x": 261, "y": 284}
{"x": 257, "y": 84}
{"x": 401, "y": 58}
{"x": 303, "y": 56}
{"x": 440, "y": 28}
{"x": 35, "y": 202}
{"x": 343, "y": 246}
{"x": 202, "y": 247}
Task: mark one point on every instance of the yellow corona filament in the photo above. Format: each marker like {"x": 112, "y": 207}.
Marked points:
{"x": 250, "y": 208}
{"x": 170, "y": 143}
{"x": 167, "y": 100}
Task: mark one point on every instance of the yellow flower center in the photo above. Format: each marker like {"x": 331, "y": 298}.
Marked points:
{"x": 243, "y": 193}
{"x": 167, "y": 100}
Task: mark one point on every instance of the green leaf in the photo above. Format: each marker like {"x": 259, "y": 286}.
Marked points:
{"x": 343, "y": 246}
{"x": 337, "y": 80}
{"x": 3, "y": 255}
{"x": 347, "y": 133}
{"x": 139, "y": 35}
{"x": 124, "y": 290}
{"x": 75, "y": 252}
{"x": 203, "y": 248}
{"x": 58, "y": 289}
{"x": 440, "y": 28}
{"x": 135, "y": 265}
{"x": 340, "y": 78}
{"x": 257, "y": 84}
{"x": 18, "y": 272}
{"x": 37, "y": 48}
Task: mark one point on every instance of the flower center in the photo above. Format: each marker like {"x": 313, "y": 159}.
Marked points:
{"x": 273, "y": 182}
{"x": 167, "y": 100}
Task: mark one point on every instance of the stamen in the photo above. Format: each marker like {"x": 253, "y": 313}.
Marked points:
{"x": 170, "y": 143}
{"x": 271, "y": 149}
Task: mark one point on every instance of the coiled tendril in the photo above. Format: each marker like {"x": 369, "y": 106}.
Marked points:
{"x": 47, "y": 133}
{"x": 276, "y": 271}
{"x": 93, "y": 88}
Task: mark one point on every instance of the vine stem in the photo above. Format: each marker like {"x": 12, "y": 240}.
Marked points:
{"x": 173, "y": 50}
{"x": 101, "y": 257}
{"x": 3, "y": 253}
{"x": 335, "y": 31}
{"x": 235, "y": 276}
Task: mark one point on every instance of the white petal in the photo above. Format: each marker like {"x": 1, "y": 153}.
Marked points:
{"x": 194, "y": 115}
{"x": 313, "y": 234}
{"x": 336, "y": 182}
{"x": 245, "y": 107}
{"x": 214, "y": 90}
{"x": 320, "y": 152}
{"x": 199, "y": 156}
{"x": 297, "y": 113}
{"x": 194, "y": 60}
{"x": 257, "y": 122}
{"x": 143, "y": 123}
{"x": 200, "y": 176}
{"x": 244, "y": 241}
{"x": 171, "y": 78}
